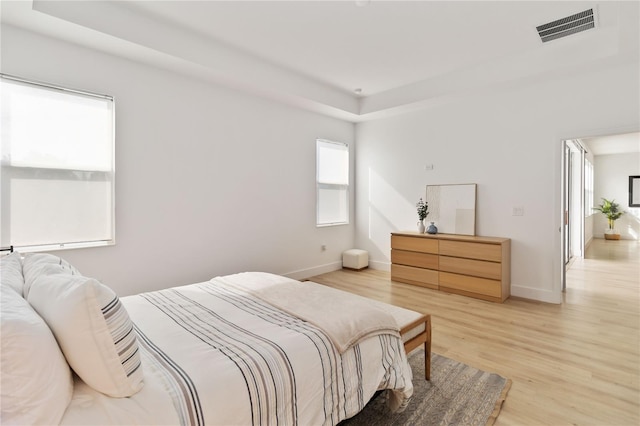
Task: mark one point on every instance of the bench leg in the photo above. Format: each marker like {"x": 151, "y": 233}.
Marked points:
{"x": 427, "y": 349}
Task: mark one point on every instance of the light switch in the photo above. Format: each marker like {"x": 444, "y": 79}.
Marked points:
{"x": 518, "y": 211}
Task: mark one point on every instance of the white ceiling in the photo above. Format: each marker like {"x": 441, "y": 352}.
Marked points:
{"x": 378, "y": 47}
{"x": 314, "y": 54}
{"x": 613, "y": 144}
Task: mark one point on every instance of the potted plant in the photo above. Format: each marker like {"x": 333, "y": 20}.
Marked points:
{"x": 612, "y": 211}
{"x": 423, "y": 210}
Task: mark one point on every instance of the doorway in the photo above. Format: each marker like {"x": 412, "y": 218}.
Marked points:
{"x": 617, "y": 154}
{"x": 573, "y": 200}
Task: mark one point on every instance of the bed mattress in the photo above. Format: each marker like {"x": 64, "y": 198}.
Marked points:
{"x": 215, "y": 353}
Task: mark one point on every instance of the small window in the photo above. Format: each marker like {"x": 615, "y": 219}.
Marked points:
{"x": 57, "y": 166}
{"x": 332, "y": 180}
{"x": 588, "y": 188}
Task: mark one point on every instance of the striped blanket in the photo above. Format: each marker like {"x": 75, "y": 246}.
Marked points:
{"x": 215, "y": 354}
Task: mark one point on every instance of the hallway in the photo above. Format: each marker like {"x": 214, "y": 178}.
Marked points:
{"x": 609, "y": 267}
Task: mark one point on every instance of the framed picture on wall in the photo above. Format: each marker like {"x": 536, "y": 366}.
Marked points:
{"x": 634, "y": 191}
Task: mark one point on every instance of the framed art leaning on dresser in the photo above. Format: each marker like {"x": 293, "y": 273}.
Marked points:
{"x": 453, "y": 208}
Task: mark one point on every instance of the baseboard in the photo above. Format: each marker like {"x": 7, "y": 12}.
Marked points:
{"x": 536, "y": 294}
{"x": 380, "y": 266}
{"x": 303, "y": 274}
{"x": 316, "y": 270}
{"x": 587, "y": 244}
{"x": 622, "y": 237}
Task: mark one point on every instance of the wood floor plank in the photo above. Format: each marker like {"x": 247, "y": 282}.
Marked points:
{"x": 574, "y": 363}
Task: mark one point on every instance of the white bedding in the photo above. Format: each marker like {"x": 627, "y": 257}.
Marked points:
{"x": 216, "y": 354}
{"x": 331, "y": 310}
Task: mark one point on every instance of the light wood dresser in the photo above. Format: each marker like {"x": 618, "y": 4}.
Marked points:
{"x": 479, "y": 267}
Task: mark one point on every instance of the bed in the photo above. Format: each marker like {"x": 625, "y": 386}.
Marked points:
{"x": 247, "y": 349}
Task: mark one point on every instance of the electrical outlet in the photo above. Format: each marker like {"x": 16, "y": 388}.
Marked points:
{"x": 518, "y": 211}
{"x": 323, "y": 247}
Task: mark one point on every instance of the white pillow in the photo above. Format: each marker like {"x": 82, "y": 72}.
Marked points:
{"x": 11, "y": 272}
{"x": 37, "y": 264}
{"x": 36, "y": 380}
{"x": 93, "y": 329}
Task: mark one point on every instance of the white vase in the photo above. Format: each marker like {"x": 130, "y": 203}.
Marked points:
{"x": 421, "y": 227}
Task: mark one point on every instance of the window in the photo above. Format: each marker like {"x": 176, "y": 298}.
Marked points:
{"x": 588, "y": 188}
{"x": 332, "y": 179}
{"x": 57, "y": 161}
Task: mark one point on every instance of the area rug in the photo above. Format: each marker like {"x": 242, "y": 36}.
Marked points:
{"x": 456, "y": 395}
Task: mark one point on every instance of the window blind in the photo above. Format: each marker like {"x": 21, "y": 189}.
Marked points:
{"x": 57, "y": 161}
{"x": 332, "y": 170}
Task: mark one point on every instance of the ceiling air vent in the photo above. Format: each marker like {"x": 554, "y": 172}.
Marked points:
{"x": 566, "y": 26}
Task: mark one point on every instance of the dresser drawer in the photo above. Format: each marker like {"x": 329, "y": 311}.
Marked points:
{"x": 414, "y": 258}
{"x": 412, "y": 275}
{"x": 481, "y": 286}
{"x": 478, "y": 268}
{"x": 481, "y": 251}
{"x": 420, "y": 244}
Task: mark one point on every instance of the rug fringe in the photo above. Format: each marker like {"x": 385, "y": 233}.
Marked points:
{"x": 496, "y": 410}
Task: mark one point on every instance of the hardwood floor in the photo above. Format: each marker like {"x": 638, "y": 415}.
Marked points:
{"x": 574, "y": 363}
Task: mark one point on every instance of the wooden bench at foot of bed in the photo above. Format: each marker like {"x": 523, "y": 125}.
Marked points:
{"x": 415, "y": 329}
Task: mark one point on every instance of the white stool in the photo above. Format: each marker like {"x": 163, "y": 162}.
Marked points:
{"x": 355, "y": 259}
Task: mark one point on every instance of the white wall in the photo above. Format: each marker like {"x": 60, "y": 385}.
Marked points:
{"x": 209, "y": 180}
{"x": 611, "y": 181}
{"x": 509, "y": 143}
